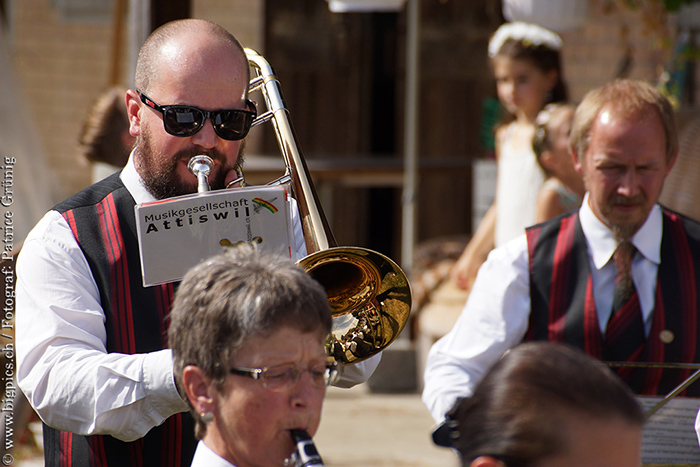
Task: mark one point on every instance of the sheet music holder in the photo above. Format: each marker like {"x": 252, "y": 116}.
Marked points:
{"x": 669, "y": 436}
{"x": 178, "y": 233}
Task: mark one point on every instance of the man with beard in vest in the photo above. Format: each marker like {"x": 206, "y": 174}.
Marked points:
{"x": 92, "y": 351}
{"x": 563, "y": 280}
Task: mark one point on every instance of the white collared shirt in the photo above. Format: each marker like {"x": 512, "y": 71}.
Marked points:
{"x": 601, "y": 246}
{"x": 63, "y": 365}
{"x": 351, "y": 375}
{"x": 205, "y": 457}
{"x": 496, "y": 315}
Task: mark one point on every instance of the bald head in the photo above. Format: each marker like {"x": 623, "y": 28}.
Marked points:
{"x": 180, "y": 43}
{"x": 186, "y": 63}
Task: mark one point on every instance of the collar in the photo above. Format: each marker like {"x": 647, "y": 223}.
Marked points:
{"x": 205, "y": 456}
{"x": 134, "y": 183}
{"x": 602, "y": 244}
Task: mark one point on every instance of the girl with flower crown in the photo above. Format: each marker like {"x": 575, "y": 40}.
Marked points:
{"x": 527, "y": 67}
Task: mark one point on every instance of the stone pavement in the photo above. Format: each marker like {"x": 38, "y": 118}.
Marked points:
{"x": 362, "y": 428}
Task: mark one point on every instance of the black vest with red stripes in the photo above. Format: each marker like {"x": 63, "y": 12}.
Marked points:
{"x": 103, "y": 222}
{"x": 563, "y": 307}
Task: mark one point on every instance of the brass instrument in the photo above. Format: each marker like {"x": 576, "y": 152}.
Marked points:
{"x": 368, "y": 293}
{"x": 201, "y": 166}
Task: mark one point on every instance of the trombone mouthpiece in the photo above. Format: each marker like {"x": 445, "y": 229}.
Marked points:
{"x": 201, "y": 166}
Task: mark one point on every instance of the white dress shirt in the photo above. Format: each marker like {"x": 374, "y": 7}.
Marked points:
{"x": 496, "y": 315}
{"x": 205, "y": 457}
{"x": 63, "y": 365}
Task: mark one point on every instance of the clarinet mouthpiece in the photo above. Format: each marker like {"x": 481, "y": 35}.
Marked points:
{"x": 307, "y": 454}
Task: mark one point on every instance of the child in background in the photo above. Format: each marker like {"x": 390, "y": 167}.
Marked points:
{"x": 104, "y": 140}
{"x": 527, "y": 68}
{"x": 563, "y": 189}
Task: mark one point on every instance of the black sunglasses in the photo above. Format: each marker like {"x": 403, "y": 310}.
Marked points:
{"x": 183, "y": 120}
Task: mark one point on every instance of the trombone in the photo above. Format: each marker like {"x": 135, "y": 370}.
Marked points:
{"x": 369, "y": 294}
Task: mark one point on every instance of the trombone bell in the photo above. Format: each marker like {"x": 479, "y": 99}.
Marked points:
{"x": 369, "y": 296}
{"x": 368, "y": 293}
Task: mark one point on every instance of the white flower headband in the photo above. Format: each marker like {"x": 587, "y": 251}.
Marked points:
{"x": 545, "y": 115}
{"x": 529, "y": 34}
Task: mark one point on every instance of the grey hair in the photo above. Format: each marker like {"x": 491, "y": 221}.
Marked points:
{"x": 234, "y": 297}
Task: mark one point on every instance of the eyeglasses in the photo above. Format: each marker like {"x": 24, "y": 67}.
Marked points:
{"x": 183, "y": 120}
{"x": 280, "y": 378}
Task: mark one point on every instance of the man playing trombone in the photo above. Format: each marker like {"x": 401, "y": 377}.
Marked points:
{"x": 93, "y": 361}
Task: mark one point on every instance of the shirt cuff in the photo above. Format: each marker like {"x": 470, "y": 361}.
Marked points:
{"x": 161, "y": 401}
{"x": 358, "y": 372}
{"x": 159, "y": 381}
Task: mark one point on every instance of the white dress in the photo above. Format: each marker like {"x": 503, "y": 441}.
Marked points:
{"x": 519, "y": 178}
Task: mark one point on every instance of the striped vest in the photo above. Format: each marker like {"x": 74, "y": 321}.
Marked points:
{"x": 563, "y": 307}
{"x": 102, "y": 220}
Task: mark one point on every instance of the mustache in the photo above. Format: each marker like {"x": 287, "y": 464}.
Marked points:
{"x": 621, "y": 199}
{"x": 188, "y": 154}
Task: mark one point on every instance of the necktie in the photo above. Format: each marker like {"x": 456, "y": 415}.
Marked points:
{"x": 624, "y": 333}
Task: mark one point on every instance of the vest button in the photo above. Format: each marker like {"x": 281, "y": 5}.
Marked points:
{"x": 666, "y": 336}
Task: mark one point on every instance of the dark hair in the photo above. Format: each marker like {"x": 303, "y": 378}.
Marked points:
{"x": 100, "y": 139}
{"x": 518, "y": 411}
{"x": 544, "y": 58}
{"x": 231, "y": 298}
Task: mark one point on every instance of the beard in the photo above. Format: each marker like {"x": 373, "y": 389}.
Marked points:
{"x": 622, "y": 231}
{"x": 160, "y": 172}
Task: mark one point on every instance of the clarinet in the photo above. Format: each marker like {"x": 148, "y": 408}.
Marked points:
{"x": 307, "y": 455}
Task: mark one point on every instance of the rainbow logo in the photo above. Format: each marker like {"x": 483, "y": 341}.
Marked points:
{"x": 265, "y": 204}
